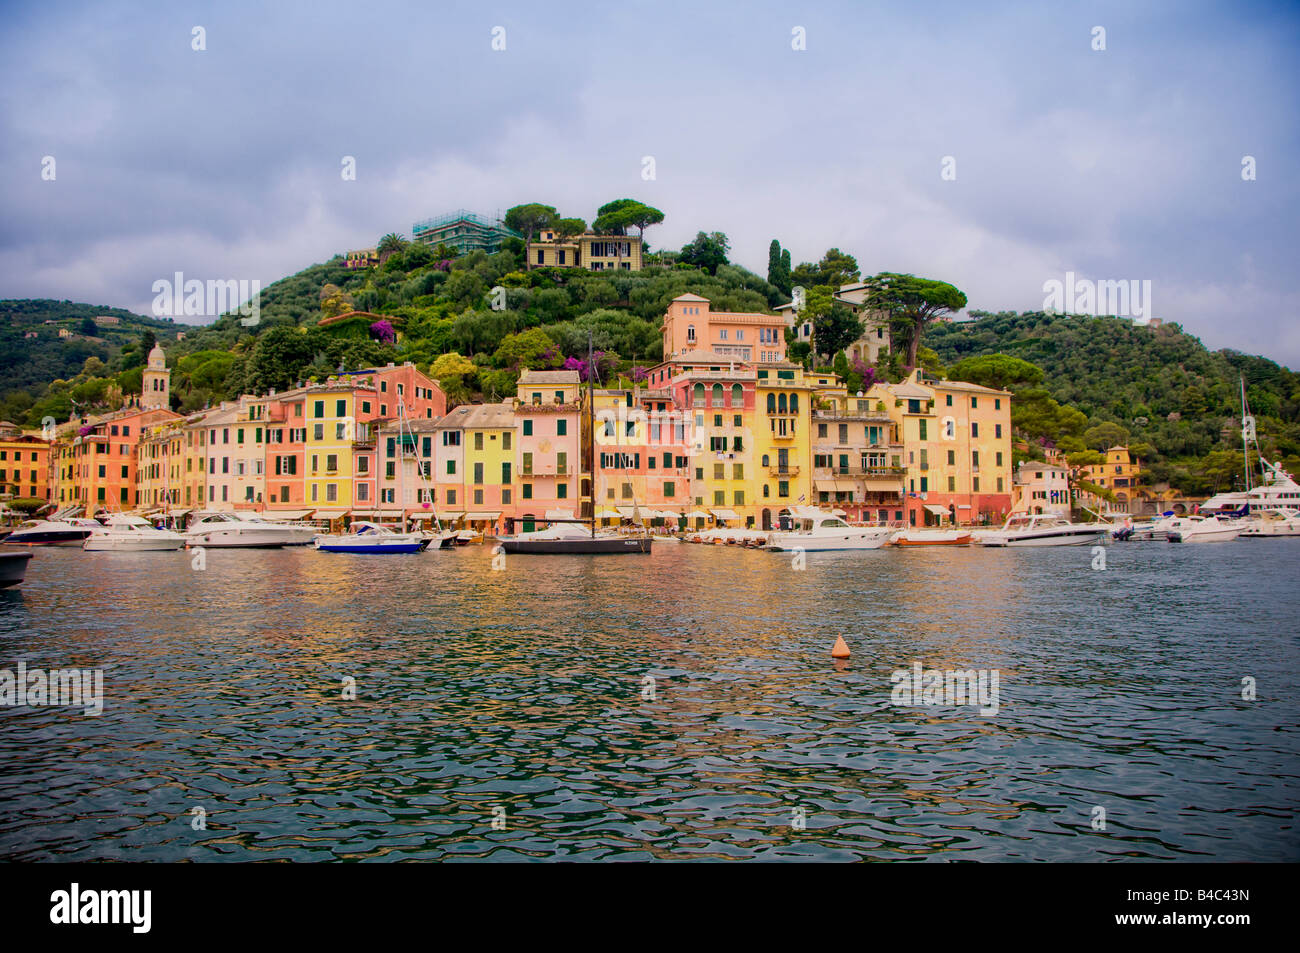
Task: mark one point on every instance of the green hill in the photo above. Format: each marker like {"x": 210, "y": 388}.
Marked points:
{"x": 1161, "y": 385}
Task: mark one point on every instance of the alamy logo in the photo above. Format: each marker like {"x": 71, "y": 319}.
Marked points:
{"x": 1124, "y": 299}
{"x": 953, "y": 687}
{"x": 194, "y": 298}
{"x": 36, "y": 688}
{"x": 103, "y": 906}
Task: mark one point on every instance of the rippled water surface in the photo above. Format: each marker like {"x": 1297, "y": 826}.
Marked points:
{"x": 521, "y": 697}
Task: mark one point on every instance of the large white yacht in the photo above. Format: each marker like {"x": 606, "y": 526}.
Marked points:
{"x": 817, "y": 531}
{"x": 1278, "y": 491}
{"x": 1033, "y": 529}
{"x": 132, "y": 534}
{"x": 226, "y": 529}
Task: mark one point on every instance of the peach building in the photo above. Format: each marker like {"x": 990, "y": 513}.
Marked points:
{"x": 549, "y": 406}
{"x": 1041, "y": 487}
{"x": 751, "y": 338}
{"x": 24, "y": 464}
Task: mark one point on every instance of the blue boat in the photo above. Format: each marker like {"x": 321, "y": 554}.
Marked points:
{"x": 372, "y": 539}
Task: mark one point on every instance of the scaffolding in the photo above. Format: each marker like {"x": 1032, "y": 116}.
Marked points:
{"x": 463, "y": 230}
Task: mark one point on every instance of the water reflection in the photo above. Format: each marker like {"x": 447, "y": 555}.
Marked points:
{"x": 680, "y": 705}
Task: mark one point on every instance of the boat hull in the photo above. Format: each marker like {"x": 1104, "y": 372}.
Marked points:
{"x": 598, "y": 546}
{"x": 1044, "y": 539}
{"x": 374, "y": 549}
{"x": 823, "y": 544}
{"x": 1218, "y": 535}
{"x": 57, "y": 538}
{"x": 246, "y": 540}
{"x": 932, "y": 538}
{"x": 13, "y": 567}
{"x": 98, "y": 544}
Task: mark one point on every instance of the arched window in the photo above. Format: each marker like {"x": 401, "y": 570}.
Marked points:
{"x": 765, "y": 459}
{"x": 698, "y": 400}
{"x": 781, "y": 403}
{"x": 771, "y": 403}
{"x": 737, "y": 395}
{"x": 717, "y": 395}
{"x": 690, "y": 332}
{"x": 794, "y": 403}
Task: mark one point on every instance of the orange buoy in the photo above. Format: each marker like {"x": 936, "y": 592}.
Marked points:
{"x": 841, "y": 649}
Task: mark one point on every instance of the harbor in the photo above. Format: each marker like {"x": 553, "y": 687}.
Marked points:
{"x": 679, "y": 704}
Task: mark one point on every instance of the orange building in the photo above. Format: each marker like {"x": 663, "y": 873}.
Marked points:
{"x": 24, "y": 464}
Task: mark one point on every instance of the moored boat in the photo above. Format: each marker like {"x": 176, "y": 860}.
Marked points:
{"x": 933, "y": 536}
{"x": 224, "y": 529}
{"x": 1273, "y": 523}
{"x": 13, "y": 567}
{"x": 817, "y": 531}
{"x": 571, "y": 539}
{"x": 1026, "y": 529}
{"x": 54, "y": 532}
{"x": 1204, "y": 529}
{"x": 132, "y": 534}
{"x": 371, "y": 538}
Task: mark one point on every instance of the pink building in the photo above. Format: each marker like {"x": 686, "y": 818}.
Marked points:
{"x": 548, "y": 407}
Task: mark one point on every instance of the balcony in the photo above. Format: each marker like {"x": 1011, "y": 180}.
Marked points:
{"x": 779, "y": 471}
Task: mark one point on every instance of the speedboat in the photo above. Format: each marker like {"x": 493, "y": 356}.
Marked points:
{"x": 1283, "y": 522}
{"x": 372, "y": 538}
{"x": 63, "y": 532}
{"x": 1204, "y": 529}
{"x": 466, "y": 537}
{"x": 815, "y": 531}
{"x": 572, "y": 539}
{"x": 13, "y": 566}
{"x": 933, "y": 536}
{"x": 1032, "y": 529}
{"x": 132, "y": 534}
{"x": 226, "y": 529}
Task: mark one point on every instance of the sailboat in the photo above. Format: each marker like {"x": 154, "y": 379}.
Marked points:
{"x": 1277, "y": 490}
{"x": 570, "y": 537}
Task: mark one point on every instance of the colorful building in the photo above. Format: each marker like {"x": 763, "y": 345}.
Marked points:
{"x": 549, "y": 465}
{"x": 1119, "y": 474}
{"x": 463, "y": 231}
{"x": 24, "y": 464}
{"x": 743, "y": 337}
{"x": 1041, "y": 486}
{"x": 589, "y": 250}
{"x": 957, "y": 445}
{"x": 857, "y": 458}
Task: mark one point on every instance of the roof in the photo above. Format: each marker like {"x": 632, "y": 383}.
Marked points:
{"x": 478, "y": 417}
{"x": 549, "y": 377}
{"x": 691, "y": 297}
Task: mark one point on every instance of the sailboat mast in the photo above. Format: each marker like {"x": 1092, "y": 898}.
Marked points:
{"x": 1245, "y": 434}
{"x": 591, "y": 439}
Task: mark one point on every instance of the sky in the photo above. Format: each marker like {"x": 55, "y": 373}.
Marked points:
{"x": 995, "y": 146}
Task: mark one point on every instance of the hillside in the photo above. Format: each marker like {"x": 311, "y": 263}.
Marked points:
{"x": 1161, "y": 385}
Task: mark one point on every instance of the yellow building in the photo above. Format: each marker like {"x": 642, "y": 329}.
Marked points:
{"x": 1119, "y": 474}
{"x": 957, "y": 444}
{"x": 589, "y": 250}
{"x": 331, "y": 425}
{"x": 783, "y": 439}
{"x": 857, "y": 457}
{"x": 24, "y": 464}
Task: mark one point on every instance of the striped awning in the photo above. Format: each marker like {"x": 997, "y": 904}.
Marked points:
{"x": 726, "y": 515}
{"x": 483, "y": 517}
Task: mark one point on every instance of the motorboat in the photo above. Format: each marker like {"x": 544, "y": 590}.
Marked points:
{"x": 815, "y": 531}
{"x": 13, "y": 566}
{"x": 71, "y": 531}
{"x": 1034, "y": 529}
{"x": 1283, "y": 522}
{"x": 466, "y": 537}
{"x": 573, "y": 539}
{"x": 228, "y": 529}
{"x": 1278, "y": 490}
{"x": 132, "y": 534}
{"x": 1144, "y": 530}
{"x": 1204, "y": 529}
{"x": 371, "y": 538}
{"x": 931, "y": 536}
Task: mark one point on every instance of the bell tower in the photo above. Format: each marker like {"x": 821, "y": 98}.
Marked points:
{"x": 156, "y": 388}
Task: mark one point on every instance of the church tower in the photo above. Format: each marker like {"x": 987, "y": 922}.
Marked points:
{"x": 157, "y": 381}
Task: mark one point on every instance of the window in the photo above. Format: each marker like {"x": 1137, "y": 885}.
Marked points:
{"x": 562, "y": 463}
{"x": 997, "y": 403}
{"x": 451, "y": 497}
{"x": 561, "y": 427}
{"x": 974, "y": 403}
{"x": 478, "y": 497}
{"x": 318, "y": 408}
{"x": 478, "y": 440}
{"x": 697, "y": 396}
{"x": 505, "y": 442}
{"x": 690, "y": 334}
{"x": 948, "y": 400}
{"x": 505, "y": 473}
{"x": 974, "y": 427}
{"x": 997, "y": 430}
{"x": 451, "y": 468}
{"x": 922, "y": 429}
{"x": 952, "y": 484}
{"x": 562, "y": 491}
{"x": 528, "y": 491}
{"x": 783, "y": 488}
{"x": 331, "y": 462}
{"x": 528, "y": 462}
{"x": 952, "y": 458}
{"x": 528, "y": 428}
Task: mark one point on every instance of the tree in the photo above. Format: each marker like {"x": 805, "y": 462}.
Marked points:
{"x": 836, "y": 329}
{"x": 531, "y": 218}
{"x": 616, "y": 217}
{"x": 835, "y": 269}
{"x": 707, "y": 252}
{"x": 778, "y": 267}
{"x": 390, "y": 244}
{"x": 88, "y": 327}
{"x": 148, "y": 340}
{"x": 568, "y": 227}
{"x": 531, "y": 349}
{"x": 911, "y": 303}
{"x": 999, "y": 371}
{"x": 1106, "y": 435}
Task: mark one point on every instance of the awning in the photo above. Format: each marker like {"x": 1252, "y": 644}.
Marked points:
{"x": 284, "y": 514}
{"x": 451, "y": 517}
{"x": 559, "y": 514}
{"x": 697, "y": 515}
{"x": 626, "y": 511}
{"x": 838, "y": 513}
{"x": 936, "y": 509}
{"x": 727, "y": 515}
{"x": 608, "y": 514}
{"x": 421, "y": 517}
{"x": 482, "y": 517}
{"x": 330, "y": 514}
{"x": 669, "y": 515}
{"x": 834, "y": 486}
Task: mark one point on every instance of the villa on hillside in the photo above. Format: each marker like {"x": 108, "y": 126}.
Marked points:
{"x": 463, "y": 231}
{"x": 588, "y": 250}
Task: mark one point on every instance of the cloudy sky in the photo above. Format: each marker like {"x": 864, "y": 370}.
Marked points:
{"x": 1122, "y": 163}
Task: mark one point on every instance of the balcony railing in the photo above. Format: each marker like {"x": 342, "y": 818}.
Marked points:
{"x": 779, "y": 471}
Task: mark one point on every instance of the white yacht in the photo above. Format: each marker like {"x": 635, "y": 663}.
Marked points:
{"x": 1032, "y": 529}
{"x": 55, "y": 532}
{"x": 1204, "y": 529}
{"x": 132, "y": 534}
{"x": 226, "y": 529}
{"x": 1278, "y": 491}
{"x": 816, "y": 531}
{"x": 1284, "y": 522}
